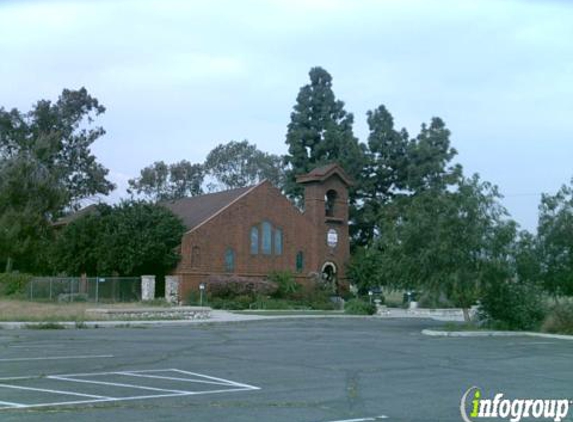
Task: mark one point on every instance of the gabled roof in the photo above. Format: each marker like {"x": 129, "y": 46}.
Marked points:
{"x": 193, "y": 211}
{"x": 64, "y": 221}
{"x": 320, "y": 174}
{"x": 196, "y": 210}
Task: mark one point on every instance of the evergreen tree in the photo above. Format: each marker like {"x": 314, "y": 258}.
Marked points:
{"x": 397, "y": 166}
{"x": 320, "y": 132}
{"x": 384, "y": 174}
{"x": 430, "y": 155}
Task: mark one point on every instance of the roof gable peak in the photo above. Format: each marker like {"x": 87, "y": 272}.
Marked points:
{"x": 320, "y": 174}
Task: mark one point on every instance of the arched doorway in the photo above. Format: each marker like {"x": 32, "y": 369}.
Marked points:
{"x": 329, "y": 275}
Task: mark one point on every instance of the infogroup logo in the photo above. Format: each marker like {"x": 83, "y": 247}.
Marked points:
{"x": 512, "y": 409}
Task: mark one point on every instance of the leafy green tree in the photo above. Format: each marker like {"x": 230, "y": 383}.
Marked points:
{"x": 555, "y": 239}
{"x": 448, "y": 242}
{"x": 365, "y": 269}
{"x": 240, "y": 164}
{"x": 58, "y": 137}
{"x": 132, "y": 238}
{"x": 46, "y": 167}
{"x": 320, "y": 132}
{"x": 163, "y": 182}
{"x": 78, "y": 248}
{"x": 27, "y": 195}
{"x": 527, "y": 259}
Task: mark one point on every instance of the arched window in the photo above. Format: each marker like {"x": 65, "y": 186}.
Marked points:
{"x": 299, "y": 262}
{"x": 267, "y": 238}
{"x": 230, "y": 260}
{"x": 254, "y": 240}
{"x": 278, "y": 242}
{"x": 195, "y": 256}
{"x": 329, "y": 203}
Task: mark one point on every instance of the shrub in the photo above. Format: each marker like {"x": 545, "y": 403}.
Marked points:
{"x": 287, "y": 286}
{"x": 316, "y": 295}
{"x": 236, "y": 303}
{"x": 512, "y": 306}
{"x": 231, "y": 286}
{"x": 359, "y": 307}
{"x": 14, "y": 283}
{"x": 559, "y": 320}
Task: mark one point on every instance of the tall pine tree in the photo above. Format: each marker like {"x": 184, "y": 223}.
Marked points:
{"x": 384, "y": 174}
{"x": 320, "y": 132}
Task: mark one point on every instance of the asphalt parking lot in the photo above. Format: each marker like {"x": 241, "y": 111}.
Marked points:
{"x": 298, "y": 370}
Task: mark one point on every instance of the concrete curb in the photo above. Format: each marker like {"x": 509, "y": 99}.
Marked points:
{"x": 100, "y": 324}
{"x": 216, "y": 317}
{"x": 437, "y": 333}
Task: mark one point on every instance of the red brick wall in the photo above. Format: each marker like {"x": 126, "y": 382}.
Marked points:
{"x": 231, "y": 228}
{"x": 315, "y": 212}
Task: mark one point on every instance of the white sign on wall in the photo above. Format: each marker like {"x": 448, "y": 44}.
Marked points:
{"x": 332, "y": 238}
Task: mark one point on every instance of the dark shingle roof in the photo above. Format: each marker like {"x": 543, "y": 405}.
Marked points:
{"x": 64, "y": 221}
{"x": 194, "y": 211}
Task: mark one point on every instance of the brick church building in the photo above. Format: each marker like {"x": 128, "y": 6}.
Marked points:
{"x": 252, "y": 231}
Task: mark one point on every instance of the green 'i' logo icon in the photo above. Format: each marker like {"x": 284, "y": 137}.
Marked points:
{"x": 475, "y": 402}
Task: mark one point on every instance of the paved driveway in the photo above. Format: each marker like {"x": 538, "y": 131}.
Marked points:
{"x": 294, "y": 370}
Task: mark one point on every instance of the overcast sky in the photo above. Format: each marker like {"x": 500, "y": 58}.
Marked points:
{"x": 180, "y": 77}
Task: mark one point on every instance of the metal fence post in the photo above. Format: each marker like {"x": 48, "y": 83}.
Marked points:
{"x": 50, "y": 289}
{"x": 97, "y": 289}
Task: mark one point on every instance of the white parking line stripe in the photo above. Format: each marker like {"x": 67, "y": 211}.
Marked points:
{"x": 117, "y": 384}
{"x": 221, "y": 380}
{"x": 252, "y": 387}
{"x": 45, "y": 390}
{"x": 132, "y": 374}
{"x": 117, "y": 399}
{"x": 7, "y": 403}
{"x": 355, "y": 420}
{"x": 374, "y": 418}
{"x": 93, "y": 399}
{"x": 57, "y": 358}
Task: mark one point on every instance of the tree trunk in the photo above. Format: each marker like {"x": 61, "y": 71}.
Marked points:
{"x": 466, "y": 313}
{"x": 9, "y": 265}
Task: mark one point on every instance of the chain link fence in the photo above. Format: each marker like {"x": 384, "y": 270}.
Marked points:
{"x": 85, "y": 289}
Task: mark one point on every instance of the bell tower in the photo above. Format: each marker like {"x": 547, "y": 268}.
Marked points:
{"x": 326, "y": 207}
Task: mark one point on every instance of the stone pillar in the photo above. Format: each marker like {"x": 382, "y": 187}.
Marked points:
{"x": 147, "y": 287}
{"x": 172, "y": 289}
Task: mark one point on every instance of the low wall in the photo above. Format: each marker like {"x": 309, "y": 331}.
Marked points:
{"x": 180, "y": 312}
